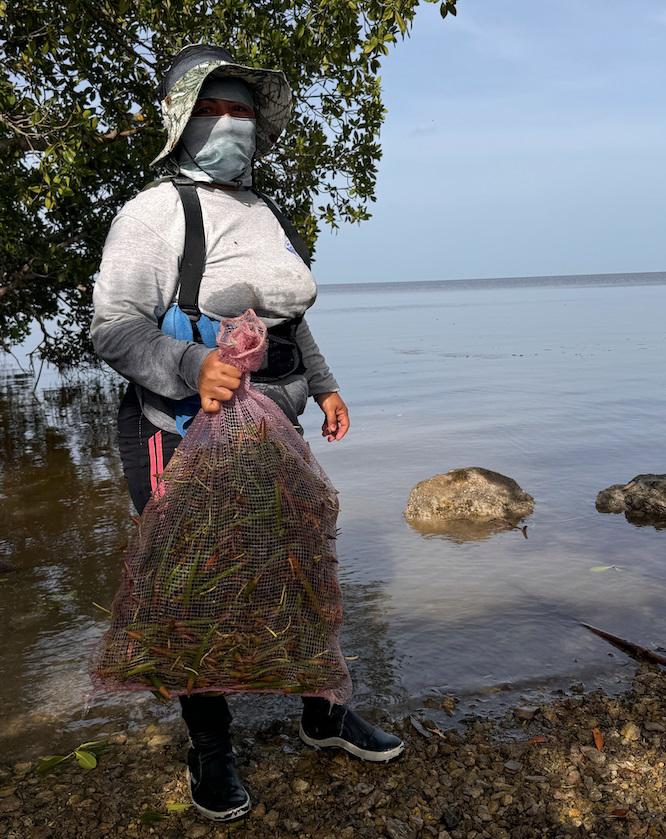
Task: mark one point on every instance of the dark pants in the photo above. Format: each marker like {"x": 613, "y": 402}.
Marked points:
{"x": 144, "y": 451}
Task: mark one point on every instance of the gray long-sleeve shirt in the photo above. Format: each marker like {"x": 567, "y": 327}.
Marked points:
{"x": 250, "y": 263}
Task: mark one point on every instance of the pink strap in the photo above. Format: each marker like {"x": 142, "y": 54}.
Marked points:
{"x": 156, "y": 454}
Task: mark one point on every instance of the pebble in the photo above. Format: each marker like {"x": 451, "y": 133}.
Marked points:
{"x": 159, "y": 740}
{"x": 525, "y": 712}
{"x": 448, "y": 704}
{"x": 396, "y": 829}
{"x": 272, "y": 818}
{"x": 259, "y": 811}
{"x": 364, "y": 789}
{"x": 451, "y": 818}
{"x": 300, "y": 785}
{"x": 483, "y": 813}
{"x": 9, "y": 804}
{"x": 467, "y": 784}
{"x": 513, "y": 766}
{"x": 630, "y": 731}
{"x": 593, "y": 755}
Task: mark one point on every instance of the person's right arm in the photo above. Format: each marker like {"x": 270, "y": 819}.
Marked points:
{"x": 137, "y": 281}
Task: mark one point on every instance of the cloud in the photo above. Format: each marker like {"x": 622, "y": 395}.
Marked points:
{"x": 421, "y": 130}
{"x": 659, "y": 17}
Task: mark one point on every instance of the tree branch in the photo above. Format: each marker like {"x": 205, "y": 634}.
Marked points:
{"x": 41, "y": 142}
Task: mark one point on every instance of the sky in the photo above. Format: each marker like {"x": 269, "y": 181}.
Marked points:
{"x": 523, "y": 138}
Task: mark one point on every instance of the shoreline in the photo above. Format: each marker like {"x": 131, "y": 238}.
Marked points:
{"x": 587, "y": 765}
{"x": 603, "y": 280}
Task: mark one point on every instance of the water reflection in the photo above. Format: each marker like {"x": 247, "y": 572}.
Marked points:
{"x": 63, "y": 517}
{"x": 638, "y": 519}
{"x": 466, "y": 530}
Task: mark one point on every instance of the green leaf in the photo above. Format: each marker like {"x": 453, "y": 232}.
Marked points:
{"x": 95, "y": 746}
{"x": 86, "y": 760}
{"x": 146, "y": 667}
{"x": 151, "y": 817}
{"x": 46, "y": 763}
{"x": 177, "y": 806}
{"x": 599, "y": 569}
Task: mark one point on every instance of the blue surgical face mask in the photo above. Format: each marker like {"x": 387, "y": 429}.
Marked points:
{"x": 219, "y": 149}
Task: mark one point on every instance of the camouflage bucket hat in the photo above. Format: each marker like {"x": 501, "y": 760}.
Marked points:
{"x": 182, "y": 82}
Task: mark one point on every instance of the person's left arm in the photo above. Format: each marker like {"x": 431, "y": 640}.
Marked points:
{"x": 322, "y": 385}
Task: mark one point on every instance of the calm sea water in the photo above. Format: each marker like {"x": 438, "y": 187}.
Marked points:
{"x": 558, "y": 383}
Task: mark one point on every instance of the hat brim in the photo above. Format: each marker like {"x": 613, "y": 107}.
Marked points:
{"x": 272, "y": 95}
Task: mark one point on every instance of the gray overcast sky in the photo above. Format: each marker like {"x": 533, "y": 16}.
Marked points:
{"x": 524, "y": 137}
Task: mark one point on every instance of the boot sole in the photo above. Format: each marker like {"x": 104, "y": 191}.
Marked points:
{"x": 221, "y": 815}
{"x": 364, "y": 754}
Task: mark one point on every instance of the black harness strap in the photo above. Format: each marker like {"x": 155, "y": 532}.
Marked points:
{"x": 194, "y": 253}
{"x": 281, "y": 343}
{"x": 292, "y": 234}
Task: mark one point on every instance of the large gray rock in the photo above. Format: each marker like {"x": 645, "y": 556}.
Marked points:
{"x": 469, "y": 503}
{"x": 642, "y": 500}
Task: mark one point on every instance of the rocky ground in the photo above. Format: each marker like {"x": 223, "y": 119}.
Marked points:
{"x": 586, "y": 765}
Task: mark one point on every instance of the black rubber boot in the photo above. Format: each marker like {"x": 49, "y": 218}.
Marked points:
{"x": 323, "y": 725}
{"x": 215, "y": 788}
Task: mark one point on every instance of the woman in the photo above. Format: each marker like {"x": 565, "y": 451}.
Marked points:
{"x": 220, "y": 117}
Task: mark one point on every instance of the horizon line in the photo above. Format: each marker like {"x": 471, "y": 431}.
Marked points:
{"x": 649, "y": 277}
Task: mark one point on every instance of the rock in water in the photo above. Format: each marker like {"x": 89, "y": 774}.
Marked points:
{"x": 642, "y": 500}
{"x": 472, "y": 495}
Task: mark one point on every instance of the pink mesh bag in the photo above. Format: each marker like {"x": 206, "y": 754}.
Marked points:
{"x": 230, "y": 581}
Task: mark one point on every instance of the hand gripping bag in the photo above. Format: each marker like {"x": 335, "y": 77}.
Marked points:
{"x": 229, "y": 583}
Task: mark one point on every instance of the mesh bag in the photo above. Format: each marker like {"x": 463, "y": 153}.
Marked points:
{"x": 230, "y": 581}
